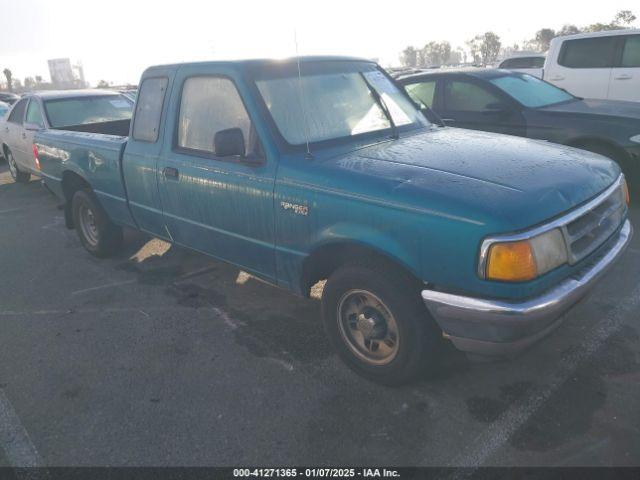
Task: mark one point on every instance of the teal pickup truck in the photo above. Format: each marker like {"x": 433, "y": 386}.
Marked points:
{"x": 321, "y": 168}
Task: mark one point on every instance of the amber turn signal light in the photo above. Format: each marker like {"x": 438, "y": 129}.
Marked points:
{"x": 512, "y": 262}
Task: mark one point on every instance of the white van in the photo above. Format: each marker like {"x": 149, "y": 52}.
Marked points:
{"x": 604, "y": 65}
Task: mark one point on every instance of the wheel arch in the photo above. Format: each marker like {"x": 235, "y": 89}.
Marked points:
{"x": 584, "y": 141}
{"x": 326, "y": 258}
{"x": 71, "y": 183}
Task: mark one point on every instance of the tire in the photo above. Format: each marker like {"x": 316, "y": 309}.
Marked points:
{"x": 16, "y": 174}
{"x": 368, "y": 304}
{"x": 97, "y": 233}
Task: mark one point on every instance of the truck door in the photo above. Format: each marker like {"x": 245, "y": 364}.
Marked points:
{"x": 583, "y": 66}
{"x": 625, "y": 77}
{"x": 215, "y": 181}
{"x": 139, "y": 163}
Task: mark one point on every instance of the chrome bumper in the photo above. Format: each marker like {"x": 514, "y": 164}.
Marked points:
{"x": 500, "y": 327}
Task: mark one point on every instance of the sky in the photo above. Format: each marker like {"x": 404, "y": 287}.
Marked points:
{"x": 116, "y": 39}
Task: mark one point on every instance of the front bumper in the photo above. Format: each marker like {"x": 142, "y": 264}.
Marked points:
{"x": 504, "y": 328}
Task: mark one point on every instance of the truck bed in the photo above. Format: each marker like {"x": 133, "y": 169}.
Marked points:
{"x": 95, "y": 157}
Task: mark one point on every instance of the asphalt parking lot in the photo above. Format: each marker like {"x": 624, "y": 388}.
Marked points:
{"x": 165, "y": 357}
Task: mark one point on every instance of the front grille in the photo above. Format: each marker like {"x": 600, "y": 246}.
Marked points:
{"x": 589, "y": 231}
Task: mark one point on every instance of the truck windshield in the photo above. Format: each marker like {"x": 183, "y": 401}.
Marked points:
{"x": 531, "y": 91}
{"x": 66, "y": 112}
{"x": 328, "y": 106}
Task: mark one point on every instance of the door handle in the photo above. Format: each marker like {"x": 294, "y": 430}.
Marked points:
{"x": 24, "y": 136}
{"x": 624, "y": 76}
{"x": 556, "y": 78}
{"x": 171, "y": 173}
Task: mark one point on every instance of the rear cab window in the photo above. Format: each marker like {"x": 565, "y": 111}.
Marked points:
{"x": 146, "y": 124}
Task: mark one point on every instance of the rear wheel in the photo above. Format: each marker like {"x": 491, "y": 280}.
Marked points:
{"x": 16, "y": 174}
{"x": 98, "y": 234}
{"x": 377, "y": 322}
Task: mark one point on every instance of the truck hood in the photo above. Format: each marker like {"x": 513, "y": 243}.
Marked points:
{"x": 482, "y": 177}
{"x": 608, "y": 108}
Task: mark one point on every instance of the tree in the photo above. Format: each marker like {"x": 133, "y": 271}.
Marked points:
{"x": 103, "y": 84}
{"x": 434, "y": 54}
{"x": 568, "y": 30}
{"x": 485, "y": 48}
{"x": 509, "y": 51}
{"x": 624, "y": 18}
{"x": 9, "y": 77}
{"x": 29, "y": 83}
{"x": 409, "y": 57}
{"x": 38, "y": 79}
{"x": 543, "y": 38}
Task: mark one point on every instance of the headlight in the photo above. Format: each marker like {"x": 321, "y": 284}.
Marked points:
{"x": 526, "y": 259}
{"x": 635, "y": 138}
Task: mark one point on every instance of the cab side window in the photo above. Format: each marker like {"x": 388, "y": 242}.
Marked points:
{"x": 631, "y": 52}
{"x": 467, "y": 97}
{"x": 597, "y": 52}
{"x": 422, "y": 93}
{"x": 17, "y": 114}
{"x": 34, "y": 113}
{"x": 210, "y": 105}
{"x": 146, "y": 124}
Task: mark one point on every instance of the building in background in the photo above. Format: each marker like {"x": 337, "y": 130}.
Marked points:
{"x": 65, "y": 75}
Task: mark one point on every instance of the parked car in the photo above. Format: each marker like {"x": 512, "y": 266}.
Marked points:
{"x": 531, "y": 64}
{"x": 602, "y": 65}
{"x": 4, "y": 108}
{"x": 419, "y": 230}
{"x": 132, "y": 93}
{"x": 518, "y": 104}
{"x": 9, "y": 98}
{"x": 78, "y": 110}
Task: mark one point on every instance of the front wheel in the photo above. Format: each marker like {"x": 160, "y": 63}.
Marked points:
{"x": 98, "y": 234}
{"x": 377, "y": 322}
{"x": 16, "y": 174}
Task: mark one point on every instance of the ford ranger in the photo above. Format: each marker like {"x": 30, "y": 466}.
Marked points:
{"x": 321, "y": 168}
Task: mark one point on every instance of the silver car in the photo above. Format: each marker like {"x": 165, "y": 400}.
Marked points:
{"x": 64, "y": 110}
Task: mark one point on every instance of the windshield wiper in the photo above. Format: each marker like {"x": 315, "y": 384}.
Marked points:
{"x": 383, "y": 106}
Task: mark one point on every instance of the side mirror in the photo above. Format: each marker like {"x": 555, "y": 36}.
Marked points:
{"x": 432, "y": 116}
{"x": 229, "y": 142}
{"x": 32, "y": 127}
